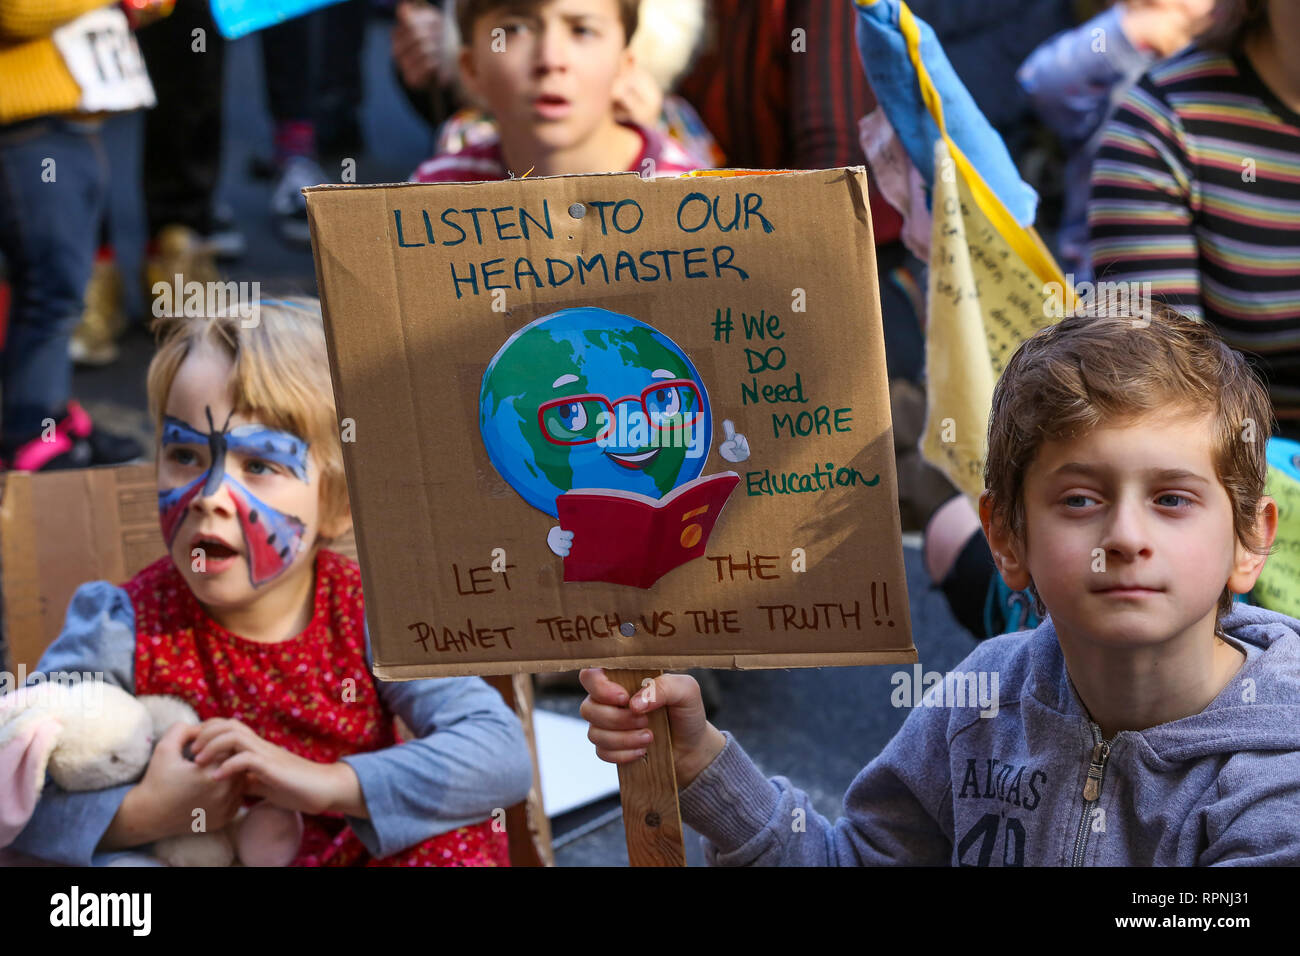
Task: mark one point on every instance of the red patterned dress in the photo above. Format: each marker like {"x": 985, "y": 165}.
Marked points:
{"x": 291, "y": 694}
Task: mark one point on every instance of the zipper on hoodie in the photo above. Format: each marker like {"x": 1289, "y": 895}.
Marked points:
{"x": 1091, "y": 791}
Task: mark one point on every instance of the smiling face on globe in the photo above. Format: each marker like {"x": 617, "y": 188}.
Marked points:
{"x": 588, "y": 398}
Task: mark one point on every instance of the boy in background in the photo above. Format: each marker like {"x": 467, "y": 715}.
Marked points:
{"x": 550, "y": 71}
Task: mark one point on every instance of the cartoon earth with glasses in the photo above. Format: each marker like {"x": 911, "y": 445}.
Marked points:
{"x": 587, "y": 398}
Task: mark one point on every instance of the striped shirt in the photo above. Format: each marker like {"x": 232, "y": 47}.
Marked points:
{"x": 1196, "y": 189}
{"x": 478, "y": 161}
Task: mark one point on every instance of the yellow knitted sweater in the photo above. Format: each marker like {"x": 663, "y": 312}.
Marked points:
{"x": 33, "y": 78}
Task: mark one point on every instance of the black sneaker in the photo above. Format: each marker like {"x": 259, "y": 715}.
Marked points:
{"x": 107, "y": 448}
{"x": 103, "y": 447}
{"x": 49, "y": 453}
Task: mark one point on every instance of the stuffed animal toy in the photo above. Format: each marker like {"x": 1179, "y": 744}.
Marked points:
{"x": 89, "y": 735}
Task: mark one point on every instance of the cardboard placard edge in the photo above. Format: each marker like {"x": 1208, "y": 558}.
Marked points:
{"x": 332, "y": 357}
{"x": 668, "y": 662}
{"x": 308, "y": 191}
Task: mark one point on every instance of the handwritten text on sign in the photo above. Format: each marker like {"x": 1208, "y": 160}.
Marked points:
{"x": 479, "y": 226}
{"x": 481, "y": 633}
{"x": 772, "y": 382}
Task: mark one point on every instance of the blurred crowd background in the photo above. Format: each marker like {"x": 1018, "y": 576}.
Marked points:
{"x": 201, "y": 178}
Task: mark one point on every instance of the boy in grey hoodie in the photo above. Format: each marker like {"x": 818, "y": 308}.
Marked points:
{"x": 1148, "y": 720}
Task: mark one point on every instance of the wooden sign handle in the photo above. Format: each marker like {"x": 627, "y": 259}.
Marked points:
{"x": 648, "y": 790}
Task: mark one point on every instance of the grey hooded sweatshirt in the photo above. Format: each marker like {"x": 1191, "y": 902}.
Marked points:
{"x": 1035, "y": 784}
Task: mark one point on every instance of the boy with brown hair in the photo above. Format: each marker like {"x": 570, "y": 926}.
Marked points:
{"x": 549, "y": 72}
{"x": 1147, "y": 721}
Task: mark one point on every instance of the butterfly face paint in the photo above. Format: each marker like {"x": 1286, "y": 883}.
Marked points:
{"x": 272, "y": 538}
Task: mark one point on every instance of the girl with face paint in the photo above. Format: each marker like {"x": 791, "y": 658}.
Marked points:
{"x": 255, "y": 623}
{"x": 239, "y": 503}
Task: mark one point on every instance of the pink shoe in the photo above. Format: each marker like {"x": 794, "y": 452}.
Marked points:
{"x": 70, "y": 446}
{"x": 40, "y": 455}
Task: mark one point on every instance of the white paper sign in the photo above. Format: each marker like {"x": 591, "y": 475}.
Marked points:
{"x": 104, "y": 60}
{"x": 572, "y": 775}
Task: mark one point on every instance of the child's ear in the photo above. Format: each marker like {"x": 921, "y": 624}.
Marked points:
{"x": 623, "y": 79}
{"x": 1246, "y": 564}
{"x": 629, "y": 67}
{"x": 1008, "y": 553}
{"x": 468, "y": 73}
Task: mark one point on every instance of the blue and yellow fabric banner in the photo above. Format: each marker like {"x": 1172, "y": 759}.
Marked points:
{"x": 992, "y": 281}
{"x": 924, "y": 99}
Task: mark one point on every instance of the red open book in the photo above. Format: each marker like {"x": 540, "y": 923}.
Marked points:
{"x": 625, "y": 538}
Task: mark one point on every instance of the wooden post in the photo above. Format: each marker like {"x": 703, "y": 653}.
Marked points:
{"x": 648, "y": 790}
{"x": 526, "y": 823}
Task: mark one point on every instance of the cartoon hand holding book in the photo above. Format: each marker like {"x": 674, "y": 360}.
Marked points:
{"x": 560, "y": 541}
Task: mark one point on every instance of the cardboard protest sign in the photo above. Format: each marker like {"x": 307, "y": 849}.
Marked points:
{"x": 615, "y": 421}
